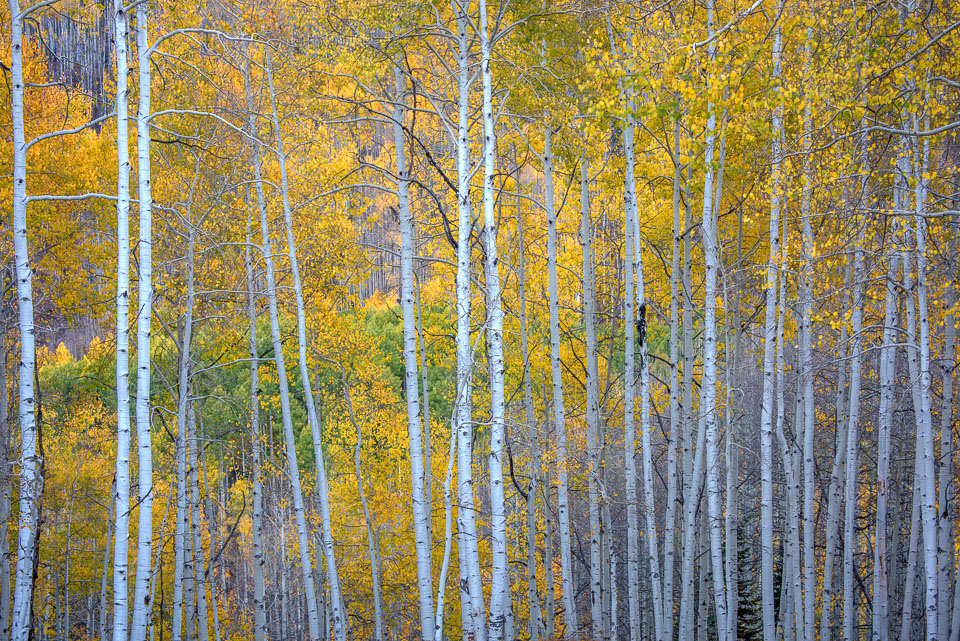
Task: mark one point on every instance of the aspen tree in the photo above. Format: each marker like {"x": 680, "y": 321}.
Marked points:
{"x": 31, "y": 479}
{"x": 120, "y": 551}
{"x": 421, "y": 511}
{"x": 322, "y": 491}
{"x": 563, "y": 504}
{"x": 141, "y": 592}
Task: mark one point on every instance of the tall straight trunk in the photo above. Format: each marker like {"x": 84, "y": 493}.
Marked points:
{"x": 448, "y": 526}
{"x": 372, "y": 551}
{"x": 732, "y": 382}
{"x": 421, "y": 511}
{"x": 6, "y": 481}
{"x": 852, "y": 467}
{"x": 885, "y": 412}
{"x": 834, "y": 490}
{"x": 102, "y": 626}
{"x": 646, "y": 428}
{"x": 196, "y": 524}
{"x": 806, "y": 372}
{"x": 593, "y": 406}
{"x": 293, "y": 467}
{"x": 339, "y": 620}
{"x": 688, "y": 561}
{"x": 181, "y": 577}
{"x": 500, "y": 572}
{"x": 926, "y": 475}
{"x": 708, "y": 402}
{"x": 688, "y": 440}
{"x": 549, "y": 599}
{"x": 769, "y": 344}
{"x": 535, "y": 618}
{"x": 120, "y": 550}
{"x": 563, "y": 502}
{"x": 470, "y": 579}
{"x": 947, "y": 449}
{"x": 141, "y": 590}
{"x": 259, "y": 592}
{"x": 676, "y": 420}
{"x": 629, "y": 380}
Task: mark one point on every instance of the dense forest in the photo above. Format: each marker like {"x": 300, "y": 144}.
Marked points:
{"x": 488, "y": 320}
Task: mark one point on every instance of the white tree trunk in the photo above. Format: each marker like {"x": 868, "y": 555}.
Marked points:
{"x": 769, "y": 344}
{"x": 121, "y": 544}
{"x": 141, "y": 591}
{"x": 629, "y": 379}
{"x": 259, "y": 592}
{"x": 339, "y": 617}
{"x": 500, "y": 573}
{"x": 885, "y": 414}
{"x": 563, "y": 502}
{"x": 470, "y": 579}
{"x": 31, "y": 479}
{"x": 708, "y": 399}
{"x": 421, "y": 512}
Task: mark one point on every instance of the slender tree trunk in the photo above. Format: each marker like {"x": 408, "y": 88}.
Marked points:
{"x": 106, "y": 566}
{"x": 470, "y": 579}
{"x": 120, "y": 550}
{"x": 291, "y": 453}
{"x": 806, "y": 372}
{"x": 708, "y": 403}
{"x": 629, "y": 379}
{"x": 6, "y": 481}
{"x": 676, "y": 419}
{"x": 141, "y": 591}
{"x": 834, "y": 491}
{"x": 339, "y": 621}
{"x": 535, "y": 618}
{"x": 500, "y": 573}
{"x": 421, "y": 510}
{"x": 769, "y": 345}
{"x": 196, "y": 540}
{"x": 372, "y": 551}
{"x": 563, "y": 503}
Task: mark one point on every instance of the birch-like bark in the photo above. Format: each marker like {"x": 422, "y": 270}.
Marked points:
{"x": 259, "y": 592}
{"x": 120, "y": 550}
{"x": 708, "y": 399}
{"x": 31, "y": 475}
{"x": 196, "y": 525}
{"x": 834, "y": 490}
{"x": 6, "y": 482}
{"x": 888, "y": 374}
{"x": 102, "y": 625}
{"x": 421, "y": 512}
{"x": 500, "y": 572}
{"x": 852, "y": 467}
{"x": 926, "y": 472}
{"x": 141, "y": 590}
{"x": 313, "y": 622}
{"x": 646, "y": 428}
{"x": 769, "y": 344}
{"x": 629, "y": 378}
{"x": 181, "y": 578}
{"x": 593, "y": 406}
{"x": 535, "y": 618}
{"x": 289, "y": 437}
{"x": 676, "y": 420}
{"x": 470, "y": 579}
{"x": 948, "y": 575}
{"x": 690, "y": 509}
{"x": 563, "y": 502}
{"x": 806, "y": 370}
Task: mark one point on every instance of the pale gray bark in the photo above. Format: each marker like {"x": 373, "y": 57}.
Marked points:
{"x": 563, "y": 501}
{"x": 141, "y": 591}
{"x": 420, "y": 505}
{"x": 122, "y": 536}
